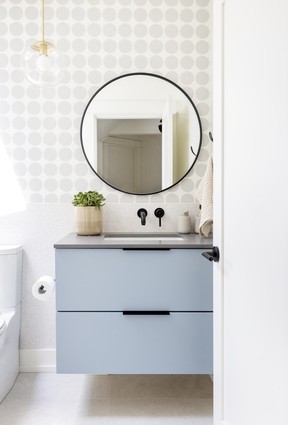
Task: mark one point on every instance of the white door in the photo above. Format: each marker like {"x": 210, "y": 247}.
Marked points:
{"x": 119, "y": 163}
{"x": 167, "y": 143}
{"x": 251, "y": 212}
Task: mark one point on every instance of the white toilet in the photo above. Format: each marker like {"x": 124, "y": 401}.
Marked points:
{"x": 10, "y": 295}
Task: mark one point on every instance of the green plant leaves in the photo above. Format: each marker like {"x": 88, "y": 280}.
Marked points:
{"x": 89, "y": 199}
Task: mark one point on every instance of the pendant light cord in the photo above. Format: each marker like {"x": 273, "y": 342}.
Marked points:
{"x": 44, "y": 45}
{"x": 43, "y": 16}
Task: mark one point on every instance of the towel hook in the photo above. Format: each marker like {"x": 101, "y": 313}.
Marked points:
{"x": 192, "y": 151}
{"x": 210, "y": 136}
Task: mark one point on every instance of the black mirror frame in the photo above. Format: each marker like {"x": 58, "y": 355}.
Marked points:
{"x": 148, "y": 75}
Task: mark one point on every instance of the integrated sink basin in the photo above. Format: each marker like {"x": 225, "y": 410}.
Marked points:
{"x": 143, "y": 236}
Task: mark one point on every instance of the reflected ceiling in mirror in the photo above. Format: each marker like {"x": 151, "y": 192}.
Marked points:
{"x": 141, "y": 133}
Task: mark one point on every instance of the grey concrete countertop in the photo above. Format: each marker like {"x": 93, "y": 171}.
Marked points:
{"x": 187, "y": 241}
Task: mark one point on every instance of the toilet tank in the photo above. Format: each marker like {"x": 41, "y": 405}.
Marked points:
{"x": 10, "y": 275}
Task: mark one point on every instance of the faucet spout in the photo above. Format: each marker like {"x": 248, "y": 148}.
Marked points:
{"x": 143, "y": 218}
{"x": 142, "y": 213}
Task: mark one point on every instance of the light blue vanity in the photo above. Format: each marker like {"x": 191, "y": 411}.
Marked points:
{"x": 136, "y": 303}
{"x": 134, "y": 306}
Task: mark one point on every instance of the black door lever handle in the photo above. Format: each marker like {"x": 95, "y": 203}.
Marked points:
{"x": 213, "y": 255}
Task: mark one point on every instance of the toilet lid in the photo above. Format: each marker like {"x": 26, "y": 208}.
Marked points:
{"x": 2, "y": 324}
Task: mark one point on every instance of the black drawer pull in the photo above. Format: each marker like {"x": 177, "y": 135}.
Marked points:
{"x": 146, "y": 313}
{"x": 146, "y": 249}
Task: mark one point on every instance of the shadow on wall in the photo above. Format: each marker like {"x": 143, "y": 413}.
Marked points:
{"x": 12, "y": 198}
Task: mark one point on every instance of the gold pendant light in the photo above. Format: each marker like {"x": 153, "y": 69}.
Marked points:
{"x": 43, "y": 65}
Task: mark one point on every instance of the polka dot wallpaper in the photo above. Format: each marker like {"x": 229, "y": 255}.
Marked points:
{"x": 100, "y": 40}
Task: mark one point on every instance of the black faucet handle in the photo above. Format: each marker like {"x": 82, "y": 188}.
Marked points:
{"x": 159, "y": 213}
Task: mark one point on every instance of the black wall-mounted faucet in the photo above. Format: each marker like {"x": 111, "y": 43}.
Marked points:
{"x": 159, "y": 213}
{"x": 142, "y": 213}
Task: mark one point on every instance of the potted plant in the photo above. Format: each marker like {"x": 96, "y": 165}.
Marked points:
{"x": 88, "y": 213}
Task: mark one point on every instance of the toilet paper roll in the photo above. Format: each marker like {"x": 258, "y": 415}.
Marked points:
{"x": 43, "y": 288}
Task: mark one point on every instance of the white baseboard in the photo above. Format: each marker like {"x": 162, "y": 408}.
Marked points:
{"x": 38, "y": 360}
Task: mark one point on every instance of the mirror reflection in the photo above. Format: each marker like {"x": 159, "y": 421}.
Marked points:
{"x": 141, "y": 133}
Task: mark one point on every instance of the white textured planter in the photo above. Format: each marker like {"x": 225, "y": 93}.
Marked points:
{"x": 88, "y": 221}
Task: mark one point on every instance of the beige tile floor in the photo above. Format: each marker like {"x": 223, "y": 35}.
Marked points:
{"x": 50, "y": 399}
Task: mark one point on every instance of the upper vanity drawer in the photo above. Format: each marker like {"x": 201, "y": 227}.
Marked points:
{"x": 117, "y": 280}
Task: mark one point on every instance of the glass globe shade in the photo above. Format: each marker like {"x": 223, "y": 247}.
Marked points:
{"x": 43, "y": 65}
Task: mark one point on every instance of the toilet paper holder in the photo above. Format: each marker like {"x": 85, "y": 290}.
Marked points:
{"x": 42, "y": 289}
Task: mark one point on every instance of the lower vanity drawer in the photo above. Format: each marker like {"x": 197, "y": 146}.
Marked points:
{"x": 115, "y": 343}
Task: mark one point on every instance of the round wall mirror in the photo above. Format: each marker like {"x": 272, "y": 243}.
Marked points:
{"x": 141, "y": 133}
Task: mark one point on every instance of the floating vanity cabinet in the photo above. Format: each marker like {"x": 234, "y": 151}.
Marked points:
{"x": 125, "y": 310}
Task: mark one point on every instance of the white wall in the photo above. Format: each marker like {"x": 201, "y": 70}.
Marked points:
{"x": 40, "y": 128}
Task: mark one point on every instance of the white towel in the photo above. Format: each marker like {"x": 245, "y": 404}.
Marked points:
{"x": 204, "y": 196}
